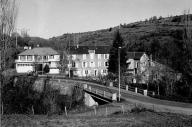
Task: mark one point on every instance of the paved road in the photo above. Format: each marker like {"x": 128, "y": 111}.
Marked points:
{"x": 149, "y": 102}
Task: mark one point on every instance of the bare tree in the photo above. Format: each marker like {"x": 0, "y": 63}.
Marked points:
{"x": 8, "y": 14}
{"x": 187, "y": 48}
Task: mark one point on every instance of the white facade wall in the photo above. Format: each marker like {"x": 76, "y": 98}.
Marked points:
{"x": 24, "y": 68}
{"x": 90, "y": 64}
{"x": 54, "y": 71}
{"x": 27, "y": 65}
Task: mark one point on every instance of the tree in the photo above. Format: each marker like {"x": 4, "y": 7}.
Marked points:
{"x": 46, "y": 69}
{"x": 8, "y": 14}
{"x": 187, "y": 51}
{"x": 113, "y": 54}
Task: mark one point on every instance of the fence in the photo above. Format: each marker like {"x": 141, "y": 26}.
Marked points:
{"x": 135, "y": 89}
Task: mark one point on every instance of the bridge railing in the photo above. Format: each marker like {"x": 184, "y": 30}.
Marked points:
{"x": 100, "y": 92}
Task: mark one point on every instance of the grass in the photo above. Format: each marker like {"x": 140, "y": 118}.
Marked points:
{"x": 132, "y": 117}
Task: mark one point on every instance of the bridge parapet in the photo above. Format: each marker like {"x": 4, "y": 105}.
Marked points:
{"x": 99, "y": 92}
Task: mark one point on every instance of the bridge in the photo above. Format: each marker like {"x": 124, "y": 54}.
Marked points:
{"x": 101, "y": 95}
{"x": 132, "y": 95}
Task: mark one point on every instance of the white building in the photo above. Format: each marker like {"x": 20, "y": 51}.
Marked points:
{"x": 35, "y": 60}
{"x": 89, "y": 60}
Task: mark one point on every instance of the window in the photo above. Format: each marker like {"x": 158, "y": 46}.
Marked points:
{"x": 92, "y": 55}
{"x": 106, "y": 56}
{"x": 84, "y": 56}
{"x": 99, "y": 56}
{"x": 92, "y": 64}
{"x": 137, "y": 64}
{"x": 104, "y": 71}
{"x": 73, "y": 64}
{"x": 22, "y": 58}
{"x": 91, "y": 51}
{"x": 51, "y": 57}
{"x": 44, "y": 57}
{"x": 95, "y": 72}
{"x": 84, "y": 64}
{"x": 99, "y": 64}
{"x": 106, "y": 64}
{"x": 38, "y": 58}
{"x": 86, "y": 72}
{"x": 29, "y": 58}
{"x": 73, "y": 57}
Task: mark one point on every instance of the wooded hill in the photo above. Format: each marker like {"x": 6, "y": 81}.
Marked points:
{"x": 160, "y": 28}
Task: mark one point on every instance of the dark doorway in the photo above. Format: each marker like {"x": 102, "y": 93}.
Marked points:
{"x": 39, "y": 68}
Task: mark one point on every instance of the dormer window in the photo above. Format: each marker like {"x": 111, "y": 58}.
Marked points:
{"x": 91, "y": 51}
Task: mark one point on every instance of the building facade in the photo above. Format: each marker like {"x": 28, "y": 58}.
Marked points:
{"x": 36, "y": 59}
{"x": 136, "y": 62}
{"x": 142, "y": 69}
{"x": 89, "y": 60}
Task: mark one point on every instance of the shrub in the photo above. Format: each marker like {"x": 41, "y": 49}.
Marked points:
{"x": 46, "y": 69}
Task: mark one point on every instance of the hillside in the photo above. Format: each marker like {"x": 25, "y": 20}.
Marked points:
{"x": 162, "y": 28}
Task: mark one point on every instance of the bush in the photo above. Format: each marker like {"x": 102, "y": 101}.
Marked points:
{"x": 19, "y": 96}
{"x": 138, "y": 109}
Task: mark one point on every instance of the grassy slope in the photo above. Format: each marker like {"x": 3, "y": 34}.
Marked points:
{"x": 87, "y": 118}
{"x": 143, "y": 31}
{"x": 130, "y": 32}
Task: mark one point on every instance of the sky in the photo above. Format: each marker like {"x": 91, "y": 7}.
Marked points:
{"x": 49, "y": 18}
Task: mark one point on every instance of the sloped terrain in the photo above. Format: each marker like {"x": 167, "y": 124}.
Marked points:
{"x": 142, "y": 31}
{"x": 130, "y": 118}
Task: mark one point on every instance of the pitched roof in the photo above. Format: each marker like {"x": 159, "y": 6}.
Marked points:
{"x": 85, "y": 49}
{"x": 134, "y": 55}
{"x": 40, "y": 51}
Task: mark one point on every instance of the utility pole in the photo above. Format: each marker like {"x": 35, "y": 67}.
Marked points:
{"x": 119, "y": 48}
{"x": 16, "y": 41}
{"x": 69, "y": 60}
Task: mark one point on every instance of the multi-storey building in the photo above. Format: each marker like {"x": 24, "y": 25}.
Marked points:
{"x": 136, "y": 61}
{"x": 35, "y": 60}
{"x": 142, "y": 69}
{"x": 89, "y": 60}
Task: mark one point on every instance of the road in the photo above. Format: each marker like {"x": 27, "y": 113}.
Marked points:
{"x": 148, "y": 102}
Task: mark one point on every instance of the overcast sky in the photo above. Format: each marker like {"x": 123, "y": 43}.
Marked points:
{"x": 48, "y": 18}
